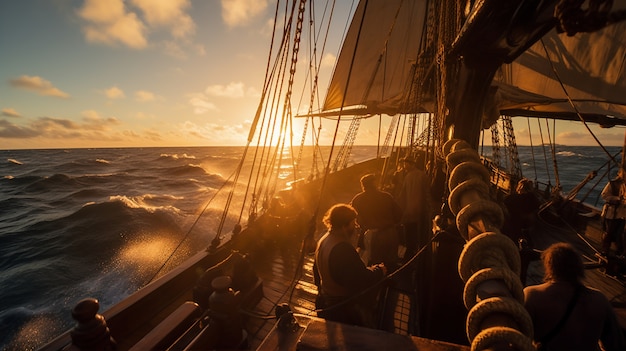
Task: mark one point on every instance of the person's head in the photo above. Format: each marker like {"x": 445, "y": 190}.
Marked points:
{"x": 340, "y": 216}
{"x": 562, "y": 262}
{"x": 368, "y": 182}
{"x": 408, "y": 162}
{"x": 524, "y": 185}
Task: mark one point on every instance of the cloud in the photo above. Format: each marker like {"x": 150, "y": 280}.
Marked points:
{"x": 59, "y": 128}
{"x": 93, "y": 121}
{"x": 38, "y": 85}
{"x": 114, "y": 93}
{"x": 233, "y": 134}
{"x": 240, "y": 12}
{"x": 110, "y": 22}
{"x": 169, "y": 14}
{"x": 328, "y": 60}
{"x": 10, "y": 112}
{"x": 107, "y": 22}
{"x": 13, "y": 131}
{"x": 144, "y": 96}
{"x": 201, "y": 104}
{"x": 232, "y": 90}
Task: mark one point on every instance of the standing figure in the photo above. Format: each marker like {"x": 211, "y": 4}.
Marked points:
{"x": 416, "y": 207}
{"x": 566, "y": 314}
{"x": 613, "y": 214}
{"x": 378, "y": 216}
{"x": 522, "y": 207}
{"x": 340, "y": 274}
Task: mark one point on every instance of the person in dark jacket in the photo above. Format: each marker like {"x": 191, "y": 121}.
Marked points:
{"x": 378, "y": 216}
{"x": 339, "y": 273}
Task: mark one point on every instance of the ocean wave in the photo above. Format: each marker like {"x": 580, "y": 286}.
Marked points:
{"x": 186, "y": 170}
{"x": 177, "y": 156}
{"x": 569, "y": 154}
{"x": 14, "y": 161}
{"x": 51, "y": 183}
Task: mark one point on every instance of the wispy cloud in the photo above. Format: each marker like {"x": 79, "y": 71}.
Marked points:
{"x": 328, "y": 60}
{"x": 114, "y": 93}
{"x": 228, "y": 134}
{"x": 232, "y": 90}
{"x": 201, "y": 104}
{"x": 240, "y": 12}
{"x": 144, "y": 96}
{"x": 38, "y": 85}
{"x": 10, "y": 112}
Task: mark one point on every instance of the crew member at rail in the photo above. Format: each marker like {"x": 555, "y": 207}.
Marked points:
{"x": 566, "y": 314}
{"x": 378, "y": 216}
{"x": 340, "y": 275}
{"x": 613, "y": 214}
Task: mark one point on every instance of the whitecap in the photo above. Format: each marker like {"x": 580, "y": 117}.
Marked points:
{"x": 100, "y": 160}
{"x": 14, "y": 161}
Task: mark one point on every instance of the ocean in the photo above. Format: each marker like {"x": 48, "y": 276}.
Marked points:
{"x": 102, "y": 223}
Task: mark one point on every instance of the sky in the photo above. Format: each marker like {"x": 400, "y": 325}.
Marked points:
{"x": 142, "y": 73}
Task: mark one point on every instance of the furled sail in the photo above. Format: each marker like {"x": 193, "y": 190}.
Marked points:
{"x": 377, "y": 64}
{"x": 591, "y": 67}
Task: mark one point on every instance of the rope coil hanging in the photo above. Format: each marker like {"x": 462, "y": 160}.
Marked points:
{"x": 489, "y": 259}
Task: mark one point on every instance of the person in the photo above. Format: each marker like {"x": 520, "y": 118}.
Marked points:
{"x": 378, "y": 215}
{"x": 566, "y": 315}
{"x": 613, "y": 214}
{"x": 416, "y": 207}
{"x": 339, "y": 273}
{"x": 522, "y": 207}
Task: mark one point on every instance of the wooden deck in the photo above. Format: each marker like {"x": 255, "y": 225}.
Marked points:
{"x": 279, "y": 271}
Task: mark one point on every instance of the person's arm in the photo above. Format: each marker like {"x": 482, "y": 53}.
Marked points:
{"x": 348, "y": 270}
{"x": 608, "y": 194}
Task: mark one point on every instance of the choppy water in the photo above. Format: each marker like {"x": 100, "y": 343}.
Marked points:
{"x": 102, "y": 222}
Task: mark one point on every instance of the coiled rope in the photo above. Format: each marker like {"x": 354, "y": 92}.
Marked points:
{"x": 490, "y": 262}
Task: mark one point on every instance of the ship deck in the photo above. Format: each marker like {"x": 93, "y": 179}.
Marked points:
{"x": 284, "y": 283}
{"x": 280, "y": 269}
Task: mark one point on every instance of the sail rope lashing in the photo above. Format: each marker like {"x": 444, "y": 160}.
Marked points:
{"x": 571, "y": 102}
{"x": 572, "y": 18}
{"x": 490, "y": 262}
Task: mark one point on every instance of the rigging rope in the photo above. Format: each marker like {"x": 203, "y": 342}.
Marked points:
{"x": 532, "y": 149}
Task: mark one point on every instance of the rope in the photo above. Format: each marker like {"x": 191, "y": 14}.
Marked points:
{"x": 532, "y": 149}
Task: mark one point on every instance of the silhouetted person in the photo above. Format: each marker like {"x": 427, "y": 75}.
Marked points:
{"x": 522, "y": 207}
{"x": 415, "y": 203}
{"x": 340, "y": 274}
{"x": 567, "y": 315}
{"x": 378, "y": 216}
